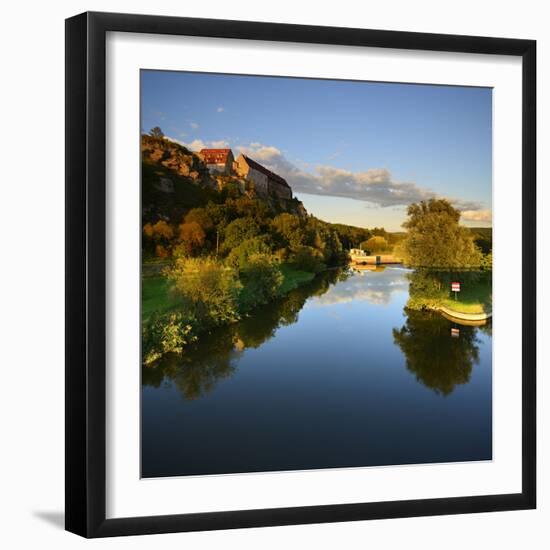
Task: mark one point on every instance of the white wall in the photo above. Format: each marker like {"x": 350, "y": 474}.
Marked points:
{"x": 31, "y": 305}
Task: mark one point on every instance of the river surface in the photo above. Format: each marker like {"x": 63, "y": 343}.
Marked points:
{"x": 336, "y": 374}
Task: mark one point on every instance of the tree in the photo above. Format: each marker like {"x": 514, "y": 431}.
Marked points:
{"x": 200, "y": 216}
{"x": 261, "y": 279}
{"x": 375, "y": 244}
{"x": 289, "y": 228}
{"x": 156, "y": 132}
{"x": 307, "y": 258}
{"x": 239, "y": 256}
{"x": 436, "y": 239}
{"x": 238, "y": 231}
{"x": 157, "y": 238}
{"x": 192, "y": 237}
{"x": 208, "y": 288}
{"x": 160, "y": 231}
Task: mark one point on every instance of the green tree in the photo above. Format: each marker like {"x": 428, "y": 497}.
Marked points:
{"x": 307, "y": 258}
{"x": 376, "y": 244}
{"x": 436, "y": 239}
{"x": 238, "y": 231}
{"x": 209, "y": 289}
{"x": 261, "y": 279}
{"x": 156, "y": 132}
{"x": 239, "y": 256}
{"x": 164, "y": 334}
{"x": 289, "y": 228}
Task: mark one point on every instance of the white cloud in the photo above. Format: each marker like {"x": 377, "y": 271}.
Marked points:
{"x": 194, "y": 125}
{"x": 375, "y": 185}
{"x": 477, "y": 215}
{"x": 220, "y": 110}
{"x": 219, "y": 144}
{"x": 198, "y": 144}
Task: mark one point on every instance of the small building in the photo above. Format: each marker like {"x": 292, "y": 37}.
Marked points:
{"x": 266, "y": 183}
{"x": 218, "y": 161}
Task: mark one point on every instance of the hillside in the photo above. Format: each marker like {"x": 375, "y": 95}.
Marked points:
{"x": 175, "y": 180}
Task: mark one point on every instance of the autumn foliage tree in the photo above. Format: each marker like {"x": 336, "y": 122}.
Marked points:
{"x": 191, "y": 237}
{"x": 157, "y": 236}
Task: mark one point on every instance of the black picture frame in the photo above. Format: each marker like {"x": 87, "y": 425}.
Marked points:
{"x": 86, "y": 274}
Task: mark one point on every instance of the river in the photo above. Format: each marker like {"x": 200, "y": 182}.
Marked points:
{"x": 336, "y": 374}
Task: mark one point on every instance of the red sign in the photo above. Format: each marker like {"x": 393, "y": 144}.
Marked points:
{"x": 455, "y": 287}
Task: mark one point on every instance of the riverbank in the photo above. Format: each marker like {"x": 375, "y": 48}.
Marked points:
{"x": 431, "y": 290}
{"x": 158, "y": 295}
{"x": 468, "y": 319}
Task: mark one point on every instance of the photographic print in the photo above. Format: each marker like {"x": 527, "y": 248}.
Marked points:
{"x": 316, "y": 284}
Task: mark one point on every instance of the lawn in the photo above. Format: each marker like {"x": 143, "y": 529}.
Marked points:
{"x": 474, "y": 297}
{"x": 293, "y": 278}
{"x": 156, "y": 294}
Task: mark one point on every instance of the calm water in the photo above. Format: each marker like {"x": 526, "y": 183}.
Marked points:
{"x": 337, "y": 374}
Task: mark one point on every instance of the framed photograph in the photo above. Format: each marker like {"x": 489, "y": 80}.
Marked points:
{"x": 300, "y": 274}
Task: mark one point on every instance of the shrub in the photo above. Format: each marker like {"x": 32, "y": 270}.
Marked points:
{"x": 238, "y": 231}
{"x": 261, "y": 280}
{"x": 209, "y": 289}
{"x": 239, "y": 256}
{"x": 307, "y": 258}
{"x": 166, "y": 334}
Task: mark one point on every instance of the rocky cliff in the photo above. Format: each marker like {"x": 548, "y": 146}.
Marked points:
{"x": 174, "y": 180}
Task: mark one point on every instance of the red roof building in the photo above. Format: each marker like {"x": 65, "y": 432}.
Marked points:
{"x": 218, "y": 160}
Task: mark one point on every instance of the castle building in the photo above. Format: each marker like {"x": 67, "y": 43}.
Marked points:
{"x": 266, "y": 183}
{"x": 218, "y": 161}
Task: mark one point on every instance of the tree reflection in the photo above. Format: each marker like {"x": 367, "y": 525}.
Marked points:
{"x": 438, "y": 360}
{"x": 215, "y": 355}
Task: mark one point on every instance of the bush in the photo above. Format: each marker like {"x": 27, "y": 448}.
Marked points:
{"x": 209, "y": 290}
{"x": 166, "y": 334}
{"x": 307, "y": 258}
{"x": 239, "y": 256}
{"x": 238, "y": 231}
{"x": 261, "y": 280}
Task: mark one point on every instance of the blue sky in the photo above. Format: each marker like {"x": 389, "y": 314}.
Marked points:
{"x": 353, "y": 152}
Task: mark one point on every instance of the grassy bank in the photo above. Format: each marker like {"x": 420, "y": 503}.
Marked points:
{"x": 472, "y": 298}
{"x": 432, "y": 289}
{"x": 158, "y": 296}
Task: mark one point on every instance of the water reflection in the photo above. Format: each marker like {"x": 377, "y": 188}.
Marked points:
{"x": 216, "y": 355}
{"x": 339, "y": 373}
{"x": 367, "y": 286}
{"x": 439, "y": 358}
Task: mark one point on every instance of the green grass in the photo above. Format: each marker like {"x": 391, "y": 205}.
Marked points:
{"x": 293, "y": 278}
{"x": 156, "y": 296}
{"x": 474, "y": 297}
